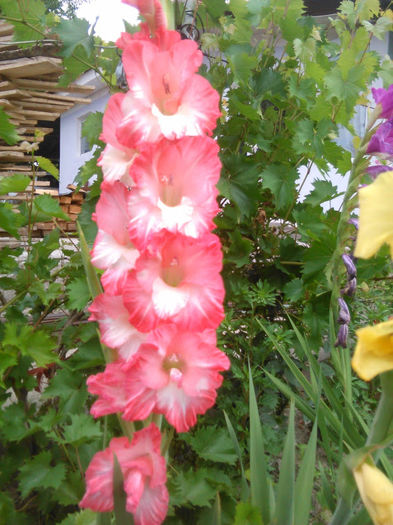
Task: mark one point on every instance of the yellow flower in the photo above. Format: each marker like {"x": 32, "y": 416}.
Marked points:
{"x": 374, "y": 350}
{"x": 376, "y": 216}
{"x": 376, "y": 491}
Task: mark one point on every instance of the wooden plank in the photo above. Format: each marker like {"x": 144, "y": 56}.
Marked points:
{"x": 22, "y": 171}
{"x": 53, "y": 86}
{"x": 6, "y": 84}
{"x": 30, "y": 67}
{"x": 6, "y": 29}
{"x": 58, "y": 99}
{"x": 42, "y": 106}
{"x": 43, "y": 99}
{"x": 12, "y": 93}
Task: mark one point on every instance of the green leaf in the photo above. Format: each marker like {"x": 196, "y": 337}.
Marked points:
{"x": 259, "y": 480}
{"x": 38, "y": 474}
{"x": 217, "y": 512}
{"x": 74, "y": 33}
{"x": 122, "y": 517}
{"x": 85, "y": 517}
{"x": 281, "y": 181}
{"x": 48, "y": 166}
{"x": 244, "y": 485}
{"x": 239, "y": 249}
{"x": 9, "y": 220}
{"x": 212, "y": 443}
{"x": 14, "y": 183}
{"x": 7, "y": 129}
{"x": 246, "y": 514}
{"x": 323, "y": 191}
{"x": 36, "y": 344}
{"x": 294, "y": 290}
{"x": 91, "y": 275}
{"x": 78, "y": 294}
{"x": 240, "y": 184}
{"x": 286, "y": 482}
{"x": 192, "y": 487}
{"x": 82, "y": 429}
{"x": 305, "y": 479}
{"x": 49, "y": 206}
{"x": 92, "y": 127}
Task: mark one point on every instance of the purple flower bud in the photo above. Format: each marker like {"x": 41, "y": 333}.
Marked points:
{"x": 385, "y": 98}
{"x": 350, "y": 288}
{"x": 382, "y": 140}
{"x": 349, "y": 265}
{"x": 344, "y": 316}
{"x": 342, "y": 336}
{"x": 355, "y": 222}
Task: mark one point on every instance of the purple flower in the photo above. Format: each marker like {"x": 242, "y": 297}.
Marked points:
{"x": 342, "y": 336}
{"x": 385, "y": 98}
{"x": 355, "y": 222}
{"x": 343, "y": 316}
{"x": 374, "y": 171}
{"x": 382, "y": 140}
{"x": 349, "y": 265}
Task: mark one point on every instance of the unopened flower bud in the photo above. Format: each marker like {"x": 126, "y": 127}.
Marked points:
{"x": 349, "y": 265}
{"x": 344, "y": 316}
{"x": 342, "y": 336}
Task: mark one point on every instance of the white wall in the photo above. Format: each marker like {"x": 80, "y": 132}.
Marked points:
{"x": 71, "y": 157}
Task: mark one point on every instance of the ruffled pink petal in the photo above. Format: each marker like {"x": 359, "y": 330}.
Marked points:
{"x": 152, "y": 507}
{"x": 113, "y": 251}
{"x": 180, "y": 284}
{"x": 170, "y": 192}
{"x": 116, "y": 163}
{"x": 115, "y": 328}
{"x": 110, "y": 387}
{"x": 99, "y": 474}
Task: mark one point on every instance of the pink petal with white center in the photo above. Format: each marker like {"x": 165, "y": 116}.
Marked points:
{"x": 113, "y": 251}
{"x": 116, "y": 163}
{"x": 196, "y": 114}
{"x": 144, "y": 474}
{"x": 116, "y": 330}
{"x": 166, "y": 97}
{"x": 176, "y": 374}
{"x": 170, "y": 192}
{"x": 179, "y": 282}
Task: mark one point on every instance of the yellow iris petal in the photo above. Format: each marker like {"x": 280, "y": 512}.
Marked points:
{"x": 374, "y": 350}
{"x": 376, "y": 491}
{"x": 376, "y": 216}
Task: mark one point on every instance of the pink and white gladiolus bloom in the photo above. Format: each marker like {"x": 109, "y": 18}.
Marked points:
{"x": 169, "y": 191}
{"x": 177, "y": 281}
{"x": 144, "y": 474}
{"x": 175, "y": 373}
{"x": 166, "y": 97}
{"x": 113, "y": 250}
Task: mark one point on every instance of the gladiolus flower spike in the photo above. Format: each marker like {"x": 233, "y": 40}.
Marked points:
{"x": 163, "y": 293}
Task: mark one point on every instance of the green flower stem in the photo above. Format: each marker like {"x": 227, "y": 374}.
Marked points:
{"x": 379, "y": 431}
{"x": 169, "y": 10}
{"x": 334, "y": 267}
{"x": 384, "y": 415}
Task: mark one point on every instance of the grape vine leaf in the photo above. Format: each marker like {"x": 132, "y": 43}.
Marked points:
{"x": 39, "y": 474}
